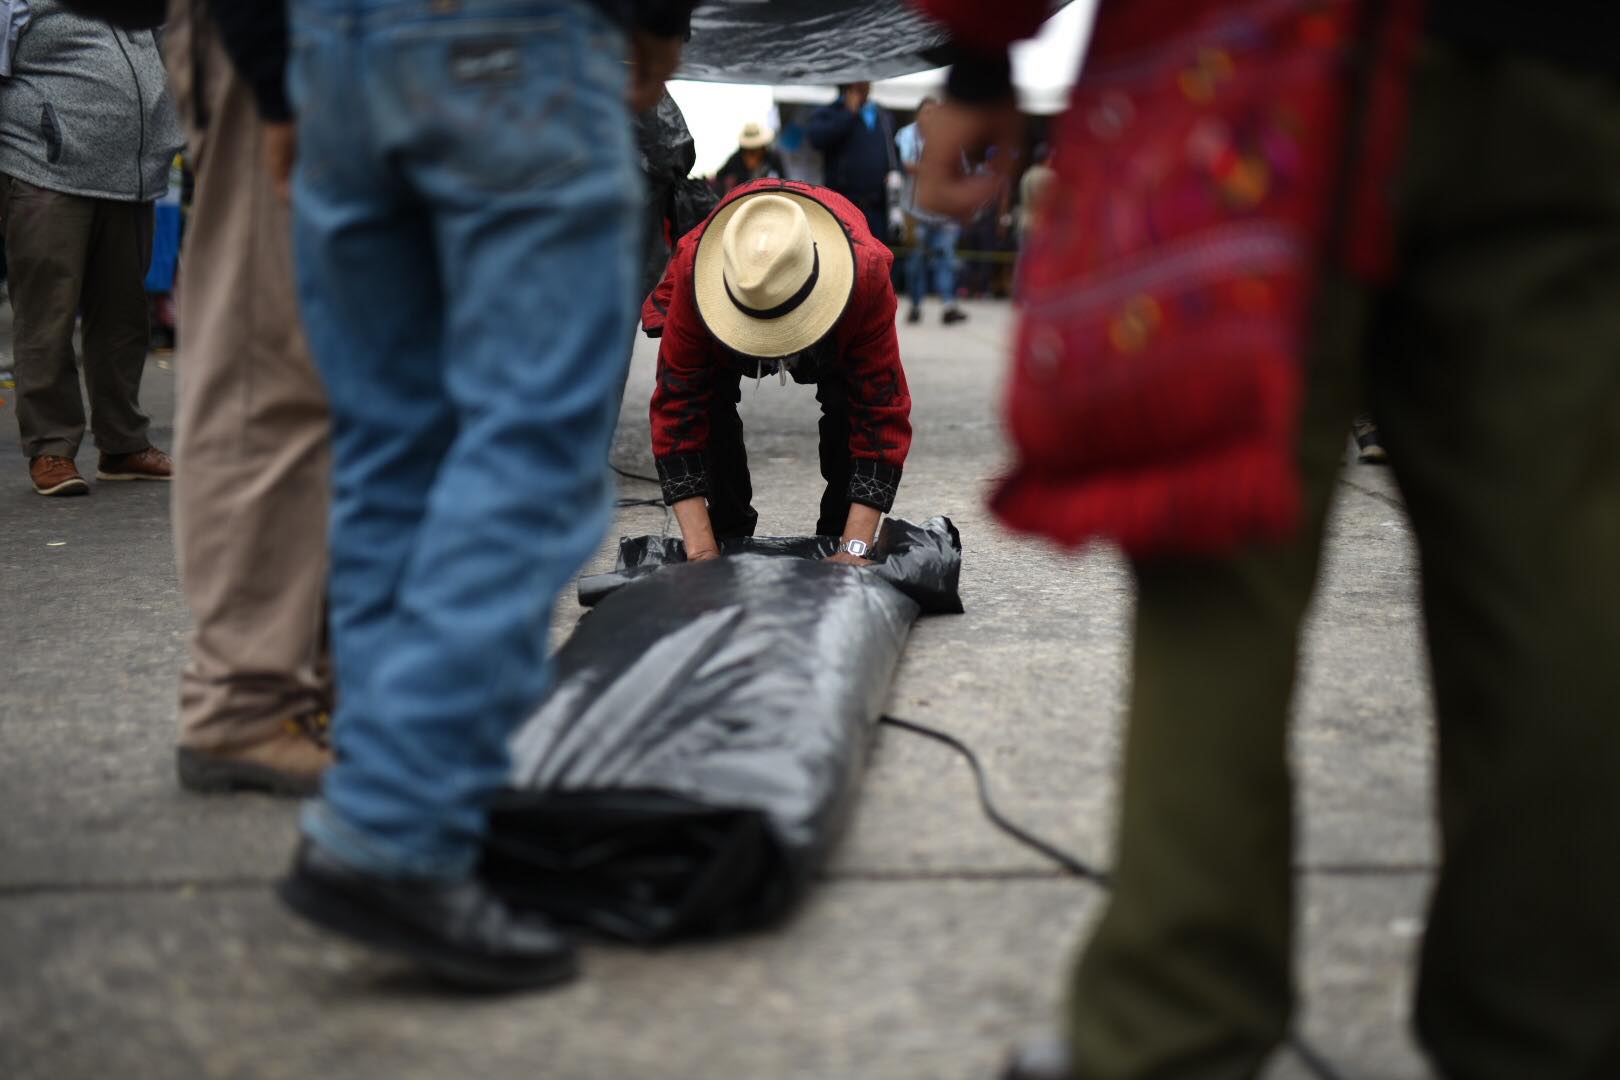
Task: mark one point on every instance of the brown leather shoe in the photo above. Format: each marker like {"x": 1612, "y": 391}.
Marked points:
{"x": 54, "y": 475}
{"x": 288, "y": 763}
{"x": 148, "y": 464}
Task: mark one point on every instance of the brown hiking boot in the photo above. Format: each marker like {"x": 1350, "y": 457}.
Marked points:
{"x": 56, "y": 476}
{"x": 288, "y": 763}
{"x": 148, "y": 464}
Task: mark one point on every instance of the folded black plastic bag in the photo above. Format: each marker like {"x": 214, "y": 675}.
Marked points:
{"x": 702, "y": 747}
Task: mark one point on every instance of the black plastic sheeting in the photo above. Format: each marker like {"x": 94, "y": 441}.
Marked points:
{"x": 702, "y": 747}
{"x": 667, "y": 155}
{"x": 811, "y": 41}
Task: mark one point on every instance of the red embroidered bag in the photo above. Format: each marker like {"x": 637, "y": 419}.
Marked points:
{"x": 1158, "y": 374}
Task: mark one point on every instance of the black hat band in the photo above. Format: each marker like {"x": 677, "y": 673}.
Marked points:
{"x": 791, "y": 302}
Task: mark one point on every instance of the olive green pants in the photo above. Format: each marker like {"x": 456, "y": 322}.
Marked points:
{"x": 1493, "y": 367}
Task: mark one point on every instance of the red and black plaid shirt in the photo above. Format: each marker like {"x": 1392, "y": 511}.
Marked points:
{"x": 866, "y": 358}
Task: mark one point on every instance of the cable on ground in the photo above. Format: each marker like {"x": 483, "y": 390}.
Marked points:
{"x": 1308, "y": 1055}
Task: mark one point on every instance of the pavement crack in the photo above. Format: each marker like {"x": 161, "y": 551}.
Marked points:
{"x": 1373, "y": 493}
{"x": 1014, "y": 873}
{"x": 155, "y": 885}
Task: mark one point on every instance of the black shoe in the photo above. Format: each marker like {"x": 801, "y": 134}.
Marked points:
{"x": 1369, "y": 447}
{"x": 458, "y": 930}
{"x": 1041, "y": 1059}
{"x": 915, "y": 315}
{"x": 953, "y": 314}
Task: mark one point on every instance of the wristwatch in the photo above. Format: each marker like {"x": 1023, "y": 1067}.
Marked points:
{"x": 857, "y": 548}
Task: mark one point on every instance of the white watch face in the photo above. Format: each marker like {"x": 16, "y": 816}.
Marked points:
{"x": 858, "y": 548}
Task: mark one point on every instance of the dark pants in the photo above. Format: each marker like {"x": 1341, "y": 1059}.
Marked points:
{"x": 1493, "y": 369}
{"x": 71, "y": 256}
{"x": 731, "y": 490}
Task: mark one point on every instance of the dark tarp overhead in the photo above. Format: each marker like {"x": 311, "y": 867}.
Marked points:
{"x": 809, "y": 41}
{"x": 703, "y": 744}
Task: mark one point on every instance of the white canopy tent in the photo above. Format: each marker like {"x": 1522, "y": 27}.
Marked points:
{"x": 1043, "y": 70}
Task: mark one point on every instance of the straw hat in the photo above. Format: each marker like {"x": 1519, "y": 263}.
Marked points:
{"x": 754, "y": 135}
{"x": 773, "y": 274}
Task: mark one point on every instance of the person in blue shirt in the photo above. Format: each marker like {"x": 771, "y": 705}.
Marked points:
{"x": 933, "y": 236}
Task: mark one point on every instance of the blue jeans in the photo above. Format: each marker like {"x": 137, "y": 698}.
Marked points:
{"x": 466, "y": 209}
{"x": 934, "y": 243}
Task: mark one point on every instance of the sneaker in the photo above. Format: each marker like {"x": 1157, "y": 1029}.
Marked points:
{"x": 458, "y": 930}
{"x": 914, "y": 315}
{"x": 54, "y": 475}
{"x": 953, "y": 314}
{"x": 1371, "y": 450}
{"x": 288, "y": 763}
{"x": 148, "y": 464}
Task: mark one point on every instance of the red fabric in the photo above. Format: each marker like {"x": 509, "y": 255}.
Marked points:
{"x": 988, "y": 26}
{"x": 868, "y": 350}
{"x": 1159, "y": 364}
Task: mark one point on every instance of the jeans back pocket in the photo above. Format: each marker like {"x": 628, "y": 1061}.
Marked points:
{"x": 493, "y": 102}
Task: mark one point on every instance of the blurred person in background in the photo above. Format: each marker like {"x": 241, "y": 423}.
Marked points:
{"x": 933, "y": 236}
{"x": 754, "y": 159}
{"x": 856, "y": 140}
{"x": 87, "y": 132}
{"x": 1496, "y": 330}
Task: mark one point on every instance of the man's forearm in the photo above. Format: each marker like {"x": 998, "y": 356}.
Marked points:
{"x": 692, "y": 515}
{"x": 862, "y": 522}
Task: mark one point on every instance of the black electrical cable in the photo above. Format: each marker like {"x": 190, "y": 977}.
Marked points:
{"x": 634, "y": 476}
{"x": 1307, "y": 1054}
{"x": 996, "y": 817}
{"x": 624, "y": 504}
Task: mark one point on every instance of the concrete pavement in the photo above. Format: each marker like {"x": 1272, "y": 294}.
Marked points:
{"x": 138, "y": 936}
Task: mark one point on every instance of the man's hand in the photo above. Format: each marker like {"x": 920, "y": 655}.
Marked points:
{"x": 955, "y": 129}
{"x": 845, "y": 558}
{"x": 702, "y": 554}
{"x": 280, "y": 154}
{"x": 653, "y": 60}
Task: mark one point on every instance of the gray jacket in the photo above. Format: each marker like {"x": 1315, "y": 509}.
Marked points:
{"x": 86, "y": 109}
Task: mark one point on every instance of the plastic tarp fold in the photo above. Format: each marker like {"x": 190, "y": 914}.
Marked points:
{"x": 704, "y": 741}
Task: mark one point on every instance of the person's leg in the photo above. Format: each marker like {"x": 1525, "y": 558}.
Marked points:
{"x": 917, "y": 268}
{"x": 1188, "y": 973}
{"x": 371, "y": 295}
{"x": 47, "y": 240}
{"x": 943, "y": 240}
{"x": 116, "y": 326}
{"x": 731, "y": 489}
{"x": 836, "y": 465}
{"x": 1500, "y": 405}
{"x": 251, "y": 458}
{"x": 526, "y": 167}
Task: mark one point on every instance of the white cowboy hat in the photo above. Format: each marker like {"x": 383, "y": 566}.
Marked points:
{"x": 773, "y": 274}
{"x": 755, "y": 135}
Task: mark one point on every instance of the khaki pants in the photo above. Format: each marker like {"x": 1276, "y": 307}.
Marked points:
{"x": 70, "y": 255}
{"x": 251, "y": 458}
{"x": 1493, "y": 369}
